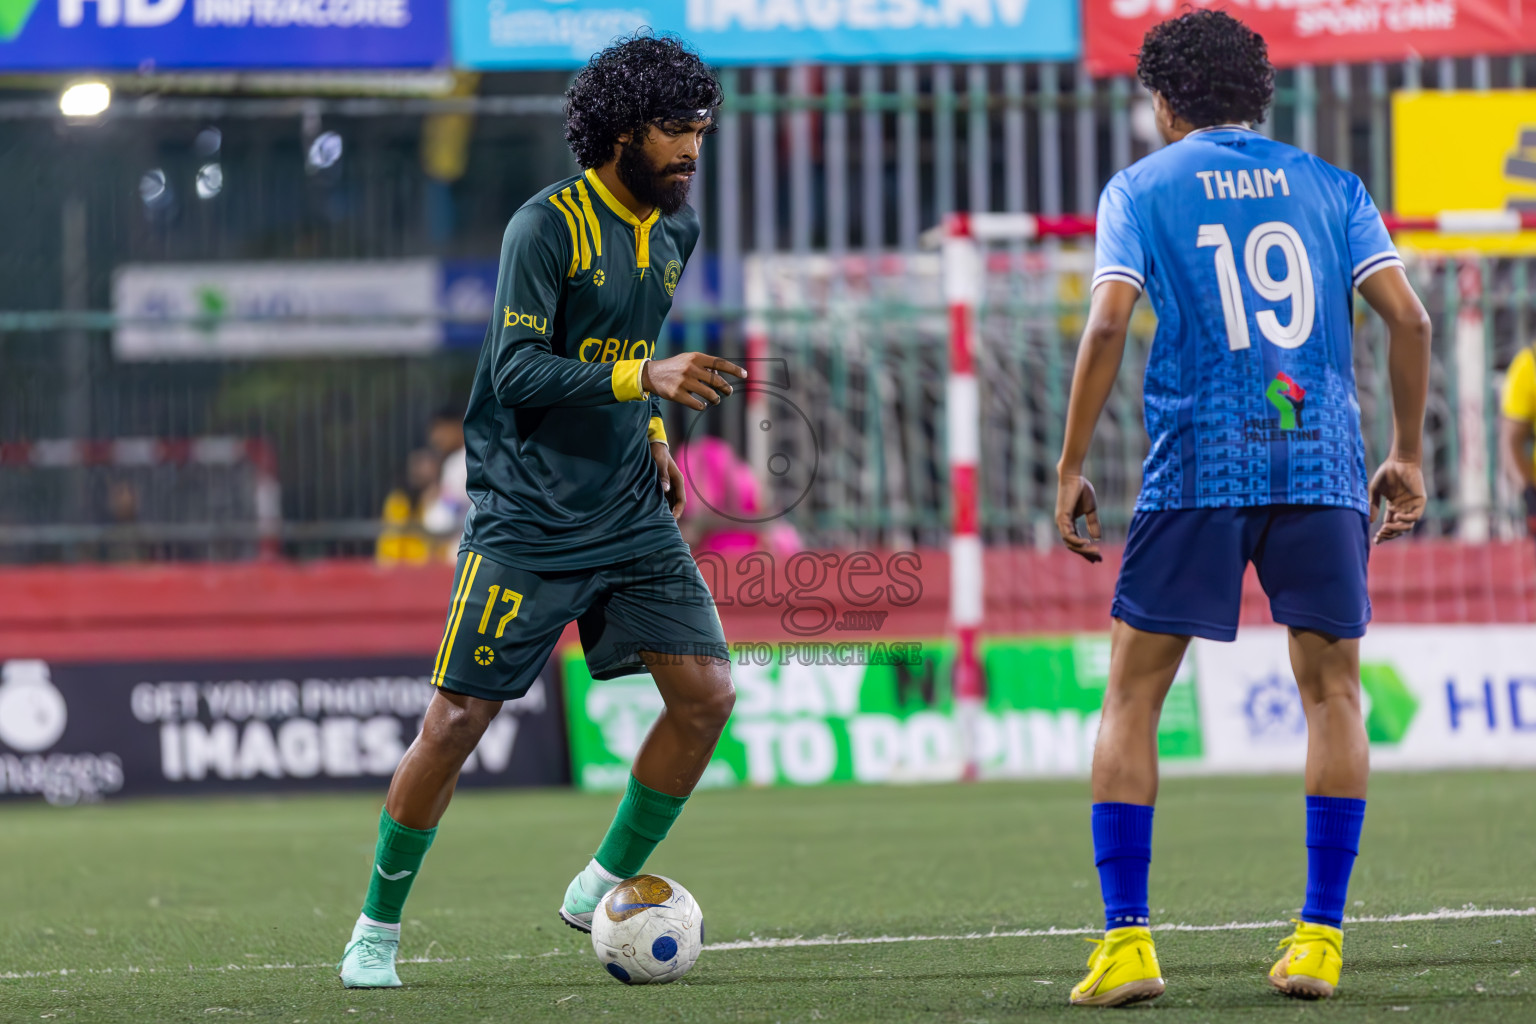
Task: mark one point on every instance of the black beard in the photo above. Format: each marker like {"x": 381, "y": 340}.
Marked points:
{"x": 649, "y": 186}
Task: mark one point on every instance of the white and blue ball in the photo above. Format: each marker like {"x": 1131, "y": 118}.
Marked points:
{"x": 648, "y": 930}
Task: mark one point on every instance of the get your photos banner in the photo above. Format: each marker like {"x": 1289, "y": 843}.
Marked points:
{"x": 492, "y": 34}
{"x": 1324, "y": 31}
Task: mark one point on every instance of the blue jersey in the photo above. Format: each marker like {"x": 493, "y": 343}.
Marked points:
{"x": 1250, "y": 251}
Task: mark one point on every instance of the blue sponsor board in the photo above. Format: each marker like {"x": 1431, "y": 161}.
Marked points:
{"x": 469, "y": 292}
{"x": 81, "y": 35}
{"x": 493, "y": 34}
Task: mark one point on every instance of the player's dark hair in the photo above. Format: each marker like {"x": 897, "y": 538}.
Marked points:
{"x": 640, "y": 80}
{"x": 1209, "y": 67}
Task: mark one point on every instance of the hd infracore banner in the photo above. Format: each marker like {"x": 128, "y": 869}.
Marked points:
{"x": 493, "y": 34}
{"x": 137, "y": 35}
{"x": 74, "y": 732}
{"x": 814, "y": 712}
{"x": 1434, "y": 697}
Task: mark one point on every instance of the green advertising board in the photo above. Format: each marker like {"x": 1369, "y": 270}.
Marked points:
{"x": 803, "y": 718}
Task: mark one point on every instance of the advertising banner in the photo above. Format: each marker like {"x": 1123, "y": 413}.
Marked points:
{"x": 298, "y": 308}
{"x": 1435, "y": 697}
{"x": 1493, "y": 138}
{"x": 83, "y": 35}
{"x": 492, "y": 34}
{"x": 813, "y": 712}
{"x": 81, "y": 732}
{"x": 1323, "y": 31}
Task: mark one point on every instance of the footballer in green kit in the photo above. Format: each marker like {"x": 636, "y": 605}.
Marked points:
{"x": 574, "y": 490}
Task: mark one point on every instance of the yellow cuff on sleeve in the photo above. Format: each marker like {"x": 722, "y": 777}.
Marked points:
{"x": 657, "y": 431}
{"x": 626, "y": 380}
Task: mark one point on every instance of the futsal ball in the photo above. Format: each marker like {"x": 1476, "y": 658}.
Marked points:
{"x": 648, "y": 930}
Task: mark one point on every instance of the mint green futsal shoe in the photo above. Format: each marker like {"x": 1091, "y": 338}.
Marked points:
{"x": 578, "y": 907}
{"x": 369, "y": 961}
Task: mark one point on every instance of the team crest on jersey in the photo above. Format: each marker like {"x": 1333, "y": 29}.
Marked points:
{"x": 670, "y": 278}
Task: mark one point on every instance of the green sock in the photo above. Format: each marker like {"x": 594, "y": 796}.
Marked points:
{"x": 396, "y": 862}
{"x": 642, "y": 821}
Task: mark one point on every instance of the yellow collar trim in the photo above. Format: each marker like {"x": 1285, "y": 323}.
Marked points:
{"x": 642, "y": 227}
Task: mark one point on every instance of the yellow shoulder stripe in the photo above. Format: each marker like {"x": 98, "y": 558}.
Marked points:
{"x": 594, "y": 229}
{"x": 568, "y": 202}
{"x": 570, "y": 223}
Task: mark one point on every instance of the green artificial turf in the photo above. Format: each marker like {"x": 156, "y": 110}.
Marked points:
{"x": 211, "y": 910}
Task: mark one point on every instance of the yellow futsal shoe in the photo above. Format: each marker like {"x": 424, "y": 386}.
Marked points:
{"x": 1121, "y": 969}
{"x": 1314, "y": 955}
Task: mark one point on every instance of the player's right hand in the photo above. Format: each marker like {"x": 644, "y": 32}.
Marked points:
{"x": 1400, "y": 484}
{"x": 692, "y": 379}
{"x": 1075, "y": 497}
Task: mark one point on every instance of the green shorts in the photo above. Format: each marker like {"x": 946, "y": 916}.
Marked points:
{"x": 503, "y": 623}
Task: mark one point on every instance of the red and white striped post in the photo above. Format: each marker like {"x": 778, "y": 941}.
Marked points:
{"x": 962, "y": 292}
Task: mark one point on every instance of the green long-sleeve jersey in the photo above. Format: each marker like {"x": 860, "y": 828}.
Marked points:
{"x": 556, "y": 435}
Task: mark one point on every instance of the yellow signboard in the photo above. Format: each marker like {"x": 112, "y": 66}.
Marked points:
{"x": 1465, "y": 151}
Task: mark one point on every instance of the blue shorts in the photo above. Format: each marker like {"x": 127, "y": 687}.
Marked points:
{"x": 1183, "y": 569}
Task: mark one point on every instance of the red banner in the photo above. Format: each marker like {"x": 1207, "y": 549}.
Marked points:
{"x": 1325, "y": 31}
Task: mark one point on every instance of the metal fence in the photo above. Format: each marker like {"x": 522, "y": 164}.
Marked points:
{"x": 867, "y": 362}
{"x": 808, "y": 160}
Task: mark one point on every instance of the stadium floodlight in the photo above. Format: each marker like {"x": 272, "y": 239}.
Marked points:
{"x": 85, "y": 99}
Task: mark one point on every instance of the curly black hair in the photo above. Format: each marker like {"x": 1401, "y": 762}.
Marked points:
{"x": 1209, "y": 67}
{"x": 638, "y": 81}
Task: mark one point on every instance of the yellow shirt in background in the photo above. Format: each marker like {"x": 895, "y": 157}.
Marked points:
{"x": 1520, "y": 388}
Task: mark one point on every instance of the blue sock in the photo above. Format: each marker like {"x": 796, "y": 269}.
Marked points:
{"x": 1333, "y": 840}
{"x": 1122, "y": 849}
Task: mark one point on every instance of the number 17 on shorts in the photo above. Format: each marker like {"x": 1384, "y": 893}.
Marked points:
{"x": 491, "y": 648}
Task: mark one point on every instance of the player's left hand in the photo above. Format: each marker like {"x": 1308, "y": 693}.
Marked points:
{"x": 1401, "y": 484}
{"x": 1075, "y": 497}
{"x": 671, "y": 478}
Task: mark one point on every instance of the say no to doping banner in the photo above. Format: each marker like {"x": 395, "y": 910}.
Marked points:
{"x": 563, "y": 33}
{"x": 809, "y": 713}
{"x": 1324, "y": 31}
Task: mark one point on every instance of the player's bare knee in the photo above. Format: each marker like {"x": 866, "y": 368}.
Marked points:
{"x": 1340, "y": 693}
{"x": 456, "y": 729}
{"x": 709, "y": 708}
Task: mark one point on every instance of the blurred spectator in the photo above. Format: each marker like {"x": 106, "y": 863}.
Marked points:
{"x": 725, "y": 505}
{"x": 445, "y": 434}
{"x": 404, "y": 539}
{"x": 443, "y": 518}
{"x": 124, "y": 544}
{"x": 1519, "y": 427}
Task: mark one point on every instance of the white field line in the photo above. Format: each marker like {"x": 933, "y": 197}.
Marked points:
{"x": 1444, "y": 914}
{"x": 1462, "y": 914}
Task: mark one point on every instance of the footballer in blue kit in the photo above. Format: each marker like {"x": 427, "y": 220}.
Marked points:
{"x": 1250, "y": 252}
